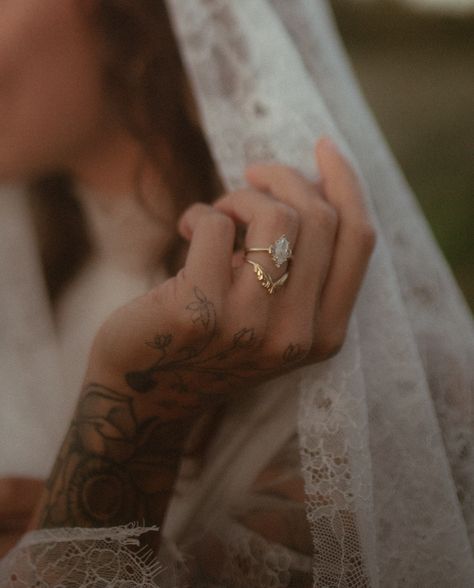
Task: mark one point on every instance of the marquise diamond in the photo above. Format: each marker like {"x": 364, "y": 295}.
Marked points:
{"x": 280, "y": 251}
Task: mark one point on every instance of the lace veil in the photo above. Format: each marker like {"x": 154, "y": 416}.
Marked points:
{"x": 384, "y": 430}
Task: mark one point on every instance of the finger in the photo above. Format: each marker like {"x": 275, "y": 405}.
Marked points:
{"x": 209, "y": 259}
{"x": 312, "y": 255}
{"x": 338, "y": 179}
{"x": 266, "y": 220}
{"x": 355, "y": 240}
{"x": 187, "y": 220}
{"x": 265, "y": 217}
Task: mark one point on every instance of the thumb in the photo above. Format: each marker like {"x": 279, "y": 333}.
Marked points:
{"x": 338, "y": 178}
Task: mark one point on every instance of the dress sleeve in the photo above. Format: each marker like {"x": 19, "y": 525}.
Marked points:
{"x": 263, "y": 540}
{"x": 267, "y": 540}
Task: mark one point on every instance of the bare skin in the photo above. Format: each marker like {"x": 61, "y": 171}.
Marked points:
{"x": 165, "y": 358}
{"x": 18, "y": 498}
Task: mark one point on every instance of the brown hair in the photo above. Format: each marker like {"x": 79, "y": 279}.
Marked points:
{"x": 144, "y": 75}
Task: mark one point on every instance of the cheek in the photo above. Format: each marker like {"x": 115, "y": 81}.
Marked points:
{"x": 51, "y": 97}
{"x": 53, "y": 109}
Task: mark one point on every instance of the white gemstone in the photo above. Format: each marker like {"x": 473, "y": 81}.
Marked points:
{"x": 280, "y": 251}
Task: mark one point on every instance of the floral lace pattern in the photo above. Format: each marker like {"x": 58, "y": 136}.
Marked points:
{"x": 74, "y": 558}
{"x": 385, "y": 427}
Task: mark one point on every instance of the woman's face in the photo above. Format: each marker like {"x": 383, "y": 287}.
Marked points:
{"x": 52, "y": 101}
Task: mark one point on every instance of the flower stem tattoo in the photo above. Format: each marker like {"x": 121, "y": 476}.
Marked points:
{"x": 121, "y": 456}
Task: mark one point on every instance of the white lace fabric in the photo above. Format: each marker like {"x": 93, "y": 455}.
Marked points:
{"x": 385, "y": 428}
{"x": 82, "y": 557}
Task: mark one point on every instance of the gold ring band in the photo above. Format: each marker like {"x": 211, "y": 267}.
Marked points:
{"x": 280, "y": 251}
{"x": 270, "y": 285}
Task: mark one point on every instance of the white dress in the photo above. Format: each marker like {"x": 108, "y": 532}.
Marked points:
{"x": 385, "y": 429}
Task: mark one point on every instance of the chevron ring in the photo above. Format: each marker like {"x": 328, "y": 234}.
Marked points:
{"x": 270, "y": 285}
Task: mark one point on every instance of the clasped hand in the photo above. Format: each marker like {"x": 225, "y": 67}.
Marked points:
{"x": 212, "y": 328}
{"x": 161, "y": 364}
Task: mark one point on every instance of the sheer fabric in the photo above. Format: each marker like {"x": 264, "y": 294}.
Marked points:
{"x": 384, "y": 430}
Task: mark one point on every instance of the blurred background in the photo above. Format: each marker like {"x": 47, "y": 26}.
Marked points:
{"x": 415, "y": 63}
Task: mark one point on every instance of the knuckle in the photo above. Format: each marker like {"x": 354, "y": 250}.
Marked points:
{"x": 282, "y": 170}
{"x": 183, "y": 324}
{"x": 285, "y": 216}
{"x": 273, "y": 351}
{"x": 196, "y": 210}
{"x": 244, "y": 339}
{"x": 328, "y": 215}
{"x": 297, "y": 352}
{"x": 281, "y": 350}
{"x": 190, "y": 327}
{"x": 223, "y": 223}
{"x": 364, "y": 234}
{"x": 300, "y": 336}
{"x": 210, "y": 217}
{"x": 331, "y": 344}
{"x": 304, "y": 344}
{"x": 189, "y": 317}
{"x": 325, "y": 216}
{"x": 367, "y": 235}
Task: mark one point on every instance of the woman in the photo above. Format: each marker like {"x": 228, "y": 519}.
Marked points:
{"x": 171, "y": 355}
{"x": 164, "y": 369}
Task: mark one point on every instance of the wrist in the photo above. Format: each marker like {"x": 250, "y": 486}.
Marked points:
{"x": 119, "y": 460}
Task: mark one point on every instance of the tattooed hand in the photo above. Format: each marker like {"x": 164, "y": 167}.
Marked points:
{"x": 213, "y": 328}
{"x": 159, "y": 361}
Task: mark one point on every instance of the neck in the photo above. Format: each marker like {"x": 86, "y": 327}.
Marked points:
{"x": 131, "y": 233}
{"x": 111, "y": 168}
